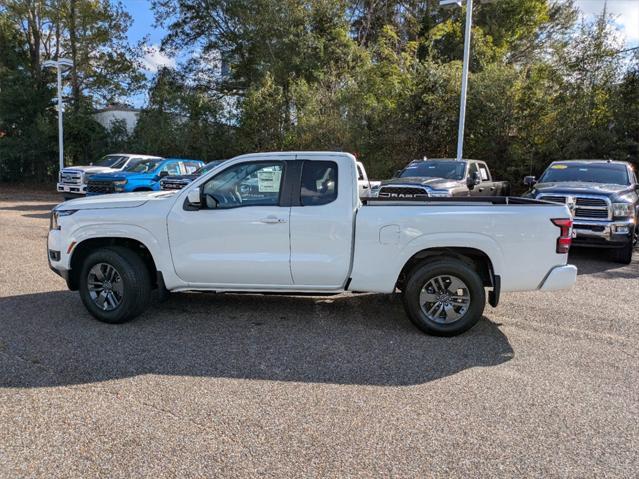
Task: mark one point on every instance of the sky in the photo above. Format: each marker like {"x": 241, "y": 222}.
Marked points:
{"x": 626, "y": 12}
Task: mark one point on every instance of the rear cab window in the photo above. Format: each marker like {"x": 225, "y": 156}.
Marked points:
{"x": 318, "y": 183}
{"x": 484, "y": 173}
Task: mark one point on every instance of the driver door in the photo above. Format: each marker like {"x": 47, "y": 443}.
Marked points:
{"x": 240, "y": 236}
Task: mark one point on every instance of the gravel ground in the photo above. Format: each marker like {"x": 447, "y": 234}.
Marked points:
{"x": 545, "y": 385}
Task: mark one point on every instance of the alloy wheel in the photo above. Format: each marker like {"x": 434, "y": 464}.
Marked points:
{"x": 444, "y": 299}
{"x": 105, "y": 286}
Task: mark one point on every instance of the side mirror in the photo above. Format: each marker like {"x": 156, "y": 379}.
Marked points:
{"x": 529, "y": 180}
{"x": 194, "y": 197}
{"x": 163, "y": 174}
{"x": 473, "y": 180}
{"x": 397, "y": 173}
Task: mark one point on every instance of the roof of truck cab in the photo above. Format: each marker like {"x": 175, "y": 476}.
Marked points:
{"x": 305, "y": 154}
{"x": 592, "y": 161}
{"x": 133, "y": 154}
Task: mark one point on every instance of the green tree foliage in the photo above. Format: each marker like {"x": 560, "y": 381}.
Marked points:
{"x": 105, "y": 68}
{"x": 182, "y": 120}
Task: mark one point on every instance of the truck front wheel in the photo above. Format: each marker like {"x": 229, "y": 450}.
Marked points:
{"x": 444, "y": 297}
{"x": 115, "y": 286}
{"x": 623, "y": 255}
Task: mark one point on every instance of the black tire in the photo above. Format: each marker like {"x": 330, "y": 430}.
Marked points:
{"x": 418, "y": 279}
{"x": 623, "y": 255}
{"x": 136, "y": 284}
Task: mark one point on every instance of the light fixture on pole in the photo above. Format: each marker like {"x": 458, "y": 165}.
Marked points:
{"x": 464, "y": 85}
{"x": 59, "y": 64}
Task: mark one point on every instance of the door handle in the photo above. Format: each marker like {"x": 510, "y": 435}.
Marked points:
{"x": 492, "y": 188}
{"x": 481, "y": 189}
{"x": 272, "y": 220}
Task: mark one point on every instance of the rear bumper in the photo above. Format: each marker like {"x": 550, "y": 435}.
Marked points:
{"x": 560, "y": 277}
{"x": 606, "y": 234}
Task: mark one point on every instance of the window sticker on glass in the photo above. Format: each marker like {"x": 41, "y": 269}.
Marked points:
{"x": 268, "y": 181}
{"x": 559, "y": 167}
{"x": 483, "y": 173}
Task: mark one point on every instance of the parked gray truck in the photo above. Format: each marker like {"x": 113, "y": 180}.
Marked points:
{"x": 443, "y": 177}
{"x": 603, "y": 197}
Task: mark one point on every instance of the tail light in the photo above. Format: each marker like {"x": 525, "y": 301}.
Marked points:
{"x": 565, "y": 236}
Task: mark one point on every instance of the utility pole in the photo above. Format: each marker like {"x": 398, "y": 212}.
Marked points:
{"x": 59, "y": 64}
{"x": 464, "y": 85}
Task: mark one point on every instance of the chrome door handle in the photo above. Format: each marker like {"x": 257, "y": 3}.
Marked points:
{"x": 272, "y": 220}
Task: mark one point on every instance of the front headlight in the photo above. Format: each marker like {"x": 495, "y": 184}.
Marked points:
{"x": 54, "y": 224}
{"x": 622, "y": 209}
{"x": 119, "y": 185}
{"x": 439, "y": 193}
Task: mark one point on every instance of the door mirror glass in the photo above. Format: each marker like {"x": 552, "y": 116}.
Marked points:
{"x": 529, "y": 180}
{"x": 194, "y": 197}
{"x": 163, "y": 173}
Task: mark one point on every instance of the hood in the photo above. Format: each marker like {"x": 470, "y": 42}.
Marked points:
{"x": 88, "y": 169}
{"x": 434, "y": 183}
{"x": 122, "y": 175}
{"x": 180, "y": 178}
{"x": 578, "y": 187}
{"x": 121, "y": 200}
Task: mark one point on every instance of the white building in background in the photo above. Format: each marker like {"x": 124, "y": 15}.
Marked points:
{"x": 118, "y": 112}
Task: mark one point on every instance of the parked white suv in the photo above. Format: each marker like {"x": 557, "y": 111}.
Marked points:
{"x": 72, "y": 181}
{"x": 294, "y": 223}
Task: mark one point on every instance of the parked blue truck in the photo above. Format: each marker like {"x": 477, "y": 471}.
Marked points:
{"x": 141, "y": 175}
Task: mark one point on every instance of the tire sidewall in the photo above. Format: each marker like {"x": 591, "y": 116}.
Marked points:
{"x": 422, "y": 274}
{"x": 129, "y": 278}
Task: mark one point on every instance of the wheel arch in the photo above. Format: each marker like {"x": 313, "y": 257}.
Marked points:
{"x": 475, "y": 258}
{"x": 86, "y": 246}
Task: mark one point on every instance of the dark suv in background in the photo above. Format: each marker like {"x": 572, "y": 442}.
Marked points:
{"x": 603, "y": 196}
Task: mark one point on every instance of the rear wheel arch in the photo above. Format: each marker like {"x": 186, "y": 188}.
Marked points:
{"x": 87, "y": 246}
{"x": 474, "y": 258}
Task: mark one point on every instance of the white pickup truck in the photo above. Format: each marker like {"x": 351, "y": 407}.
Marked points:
{"x": 72, "y": 181}
{"x": 294, "y": 223}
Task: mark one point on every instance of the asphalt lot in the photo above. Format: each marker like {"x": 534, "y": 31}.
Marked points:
{"x": 240, "y": 385}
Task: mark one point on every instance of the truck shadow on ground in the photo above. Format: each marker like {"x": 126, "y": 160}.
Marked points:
{"x": 594, "y": 261}
{"x": 49, "y": 339}
{"x": 31, "y": 209}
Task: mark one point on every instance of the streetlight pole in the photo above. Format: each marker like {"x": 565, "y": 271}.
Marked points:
{"x": 62, "y": 62}
{"x": 464, "y": 85}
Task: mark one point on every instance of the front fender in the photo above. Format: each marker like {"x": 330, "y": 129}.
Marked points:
{"x": 116, "y": 230}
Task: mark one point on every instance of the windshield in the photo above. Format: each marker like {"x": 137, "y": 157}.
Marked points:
{"x": 111, "y": 161}
{"x": 142, "y": 166}
{"x": 608, "y": 173}
{"x": 450, "y": 170}
{"x": 208, "y": 167}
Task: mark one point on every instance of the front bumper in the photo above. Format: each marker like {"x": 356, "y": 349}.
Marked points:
{"x": 72, "y": 189}
{"x": 560, "y": 277}
{"x": 606, "y": 234}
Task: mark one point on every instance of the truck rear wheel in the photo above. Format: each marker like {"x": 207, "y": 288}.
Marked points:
{"x": 115, "y": 286}
{"x": 444, "y": 298}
